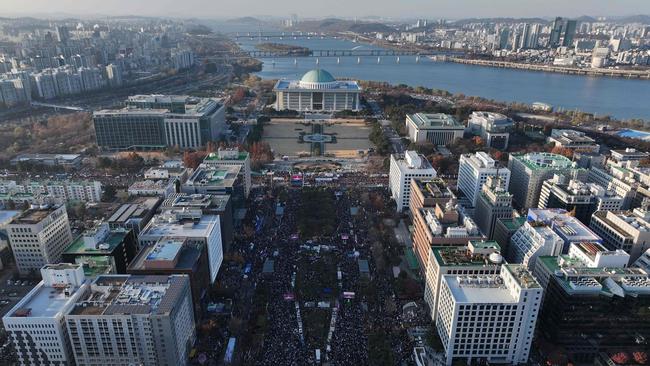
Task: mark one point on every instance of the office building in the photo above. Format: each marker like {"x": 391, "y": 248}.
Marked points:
{"x": 134, "y": 214}
{"x": 489, "y": 317}
{"x": 620, "y": 180}
{"x": 529, "y": 171}
{"x": 209, "y": 204}
{"x": 38, "y": 237}
{"x": 35, "y": 325}
{"x": 504, "y": 229}
{"x": 317, "y": 91}
{"x": 532, "y": 240}
{"x": 102, "y": 251}
{"x": 476, "y": 258}
{"x": 403, "y": 168}
{"x": 593, "y": 306}
{"x": 177, "y": 256}
{"x": 576, "y": 141}
{"x": 192, "y": 225}
{"x": 562, "y": 32}
{"x": 581, "y": 199}
{"x": 629, "y": 154}
{"x": 441, "y": 225}
{"x": 493, "y": 203}
{"x": 182, "y": 59}
{"x": 114, "y": 75}
{"x": 626, "y": 230}
{"x": 494, "y": 128}
{"x": 427, "y": 192}
{"x": 158, "y": 121}
{"x": 62, "y": 160}
{"x": 130, "y": 319}
{"x": 438, "y": 129}
{"x": 218, "y": 180}
{"x": 474, "y": 170}
{"x": 232, "y": 157}
{"x": 643, "y": 261}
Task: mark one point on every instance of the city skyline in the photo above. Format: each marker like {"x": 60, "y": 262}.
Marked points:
{"x": 364, "y": 8}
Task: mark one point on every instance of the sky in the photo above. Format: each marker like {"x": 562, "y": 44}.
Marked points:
{"x": 430, "y": 9}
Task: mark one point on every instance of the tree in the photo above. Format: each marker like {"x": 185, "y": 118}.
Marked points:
{"x": 563, "y": 151}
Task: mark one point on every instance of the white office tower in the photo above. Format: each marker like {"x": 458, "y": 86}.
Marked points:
{"x": 36, "y": 324}
{"x": 477, "y": 258}
{"x": 474, "y": 170}
{"x": 38, "y": 237}
{"x": 643, "y": 262}
{"x": 489, "y": 317}
{"x": 626, "y": 230}
{"x": 229, "y": 157}
{"x": 402, "y": 169}
{"x": 133, "y": 320}
{"x": 190, "y": 224}
{"x": 533, "y": 240}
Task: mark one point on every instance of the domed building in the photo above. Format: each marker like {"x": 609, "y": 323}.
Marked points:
{"x": 317, "y": 91}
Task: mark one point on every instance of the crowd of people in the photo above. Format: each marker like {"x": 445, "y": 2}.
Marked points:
{"x": 277, "y": 238}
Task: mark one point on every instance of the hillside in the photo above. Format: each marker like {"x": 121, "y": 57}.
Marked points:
{"x": 341, "y": 25}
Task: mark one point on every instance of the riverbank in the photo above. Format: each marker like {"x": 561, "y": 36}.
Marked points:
{"x": 627, "y": 74}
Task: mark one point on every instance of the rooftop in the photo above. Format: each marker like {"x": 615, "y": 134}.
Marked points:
{"x": 170, "y": 224}
{"x": 514, "y": 223}
{"x": 425, "y": 121}
{"x": 131, "y": 294}
{"x": 317, "y": 79}
{"x": 220, "y": 176}
{"x": 542, "y": 160}
{"x": 433, "y": 188}
{"x": 34, "y": 215}
{"x": 461, "y": 256}
{"x": 114, "y": 238}
{"x": 168, "y": 254}
{"x": 317, "y": 76}
{"x": 471, "y": 289}
{"x": 137, "y": 207}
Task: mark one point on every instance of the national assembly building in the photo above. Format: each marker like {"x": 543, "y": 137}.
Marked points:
{"x": 317, "y": 91}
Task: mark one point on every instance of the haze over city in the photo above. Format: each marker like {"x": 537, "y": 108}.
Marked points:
{"x": 331, "y": 183}
{"x": 338, "y": 8}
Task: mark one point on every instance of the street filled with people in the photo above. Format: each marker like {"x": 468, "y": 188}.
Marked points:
{"x": 312, "y": 305}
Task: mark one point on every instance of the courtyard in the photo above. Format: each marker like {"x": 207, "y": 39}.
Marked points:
{"x": 339, "y": 138}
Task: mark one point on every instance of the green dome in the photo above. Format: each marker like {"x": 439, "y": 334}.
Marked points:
{"x": 317, "y": 76}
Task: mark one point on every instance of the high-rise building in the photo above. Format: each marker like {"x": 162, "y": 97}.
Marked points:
{"x": 426, "y": 192}
{"x": 504, "y": 229}
{"x": 229, "y": 157}
{"x": 477, "y": 258}
{"x": 490, "y": 317}
{"x": 36, "y": 324}
{"x": 494, "y": 128}
{"x": 437, "y": 128}
{"x": 177, "y": 256}
{"x": 593, "y": 304}
{"x": 504, "y": 36}
{"x": 494, "y": 202}
{"x": 626, "y": 230}
{"x": 403, "y": 168}
{"x": 114, "y": 75}
{"x": 474, "y": 170}
{"x": 441, "y": 225}
{"x": 562, "y": 32}
{"x": 131, "y": 319}
{"x": 102, "y": 250}
{"x": 529, "y": 171}
{"x": 189, "y": 224}
{"x": 581, "y": 199}
{"x": 38, "y": 237}
{"x": 157, "y": 121}
{"x": 548, "y": 232}
{"x": 62, "y": 33}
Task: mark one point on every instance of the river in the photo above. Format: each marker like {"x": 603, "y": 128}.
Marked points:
{"x": 620, "y": 98}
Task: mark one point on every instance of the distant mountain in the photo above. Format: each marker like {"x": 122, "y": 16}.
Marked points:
{"x": 586, "y": 19}
{"x": 500, "y": 20}
{"x": 342, "y": 25}
{"x": 244, "y": 20}
{"x": 643, "y": 19}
